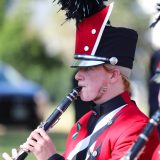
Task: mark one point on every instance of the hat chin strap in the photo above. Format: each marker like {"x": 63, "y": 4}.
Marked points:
{"x": 90, "y": 57}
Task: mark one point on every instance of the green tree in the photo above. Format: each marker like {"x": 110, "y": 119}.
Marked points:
{"x": 2, "y": 11}
{"x": 28, "y": 55}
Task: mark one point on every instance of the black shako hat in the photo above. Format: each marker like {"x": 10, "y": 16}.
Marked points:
{"x": 116, "y": 46}
{"x": 98, "y": 43}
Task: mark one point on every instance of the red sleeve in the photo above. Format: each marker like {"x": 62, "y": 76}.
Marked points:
{"x": 156, "y": 154}
{"x": 127, "y": 138}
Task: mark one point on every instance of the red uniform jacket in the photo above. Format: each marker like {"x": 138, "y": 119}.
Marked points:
{"x": 156, "y": 154}
{"x": 115, "y": 138}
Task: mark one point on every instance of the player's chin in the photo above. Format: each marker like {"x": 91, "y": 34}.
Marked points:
{"x": 85, "y": 98}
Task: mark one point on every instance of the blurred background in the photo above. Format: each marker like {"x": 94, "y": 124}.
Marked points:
{"x": 36, "y": 48}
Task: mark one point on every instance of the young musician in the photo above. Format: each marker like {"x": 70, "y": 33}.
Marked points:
{"x": 104, "y": 57}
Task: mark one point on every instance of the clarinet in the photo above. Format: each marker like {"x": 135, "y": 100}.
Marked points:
{"x": 135, "y": 151}
{"x": 53, "y": 118}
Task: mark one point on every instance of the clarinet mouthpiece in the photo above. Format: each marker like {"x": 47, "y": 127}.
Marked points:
{"x": 78, "y": 89}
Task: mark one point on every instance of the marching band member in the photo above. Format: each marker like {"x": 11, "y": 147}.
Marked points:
{"x": 104, "y": 57}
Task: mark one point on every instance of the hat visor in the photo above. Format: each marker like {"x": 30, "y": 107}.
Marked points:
{"x": 86, "y": 63}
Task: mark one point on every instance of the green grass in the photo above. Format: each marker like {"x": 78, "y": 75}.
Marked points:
{"x": 14, "y": 138}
